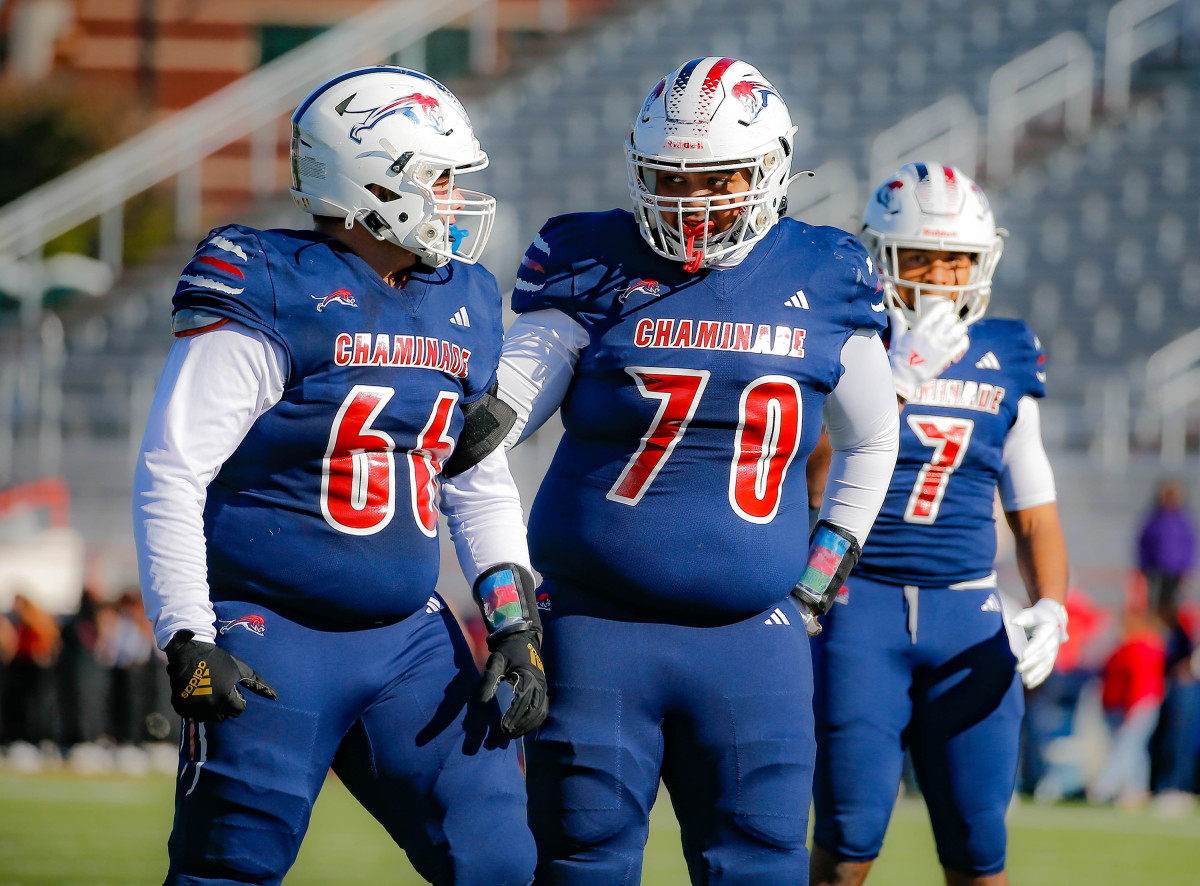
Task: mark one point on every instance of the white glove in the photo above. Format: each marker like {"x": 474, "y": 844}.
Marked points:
{"x": 810, "y": 620}
{"x": 923, "y": 351}
{"x": 1045, "y": 622}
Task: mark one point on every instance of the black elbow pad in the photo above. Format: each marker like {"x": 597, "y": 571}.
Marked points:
{"x": 488, "y": 420}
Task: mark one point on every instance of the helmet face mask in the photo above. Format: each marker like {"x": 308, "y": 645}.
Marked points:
{"x": 934, "y": 208}
{"x": 397, "y": 133}
{"x": 714, "y": 116}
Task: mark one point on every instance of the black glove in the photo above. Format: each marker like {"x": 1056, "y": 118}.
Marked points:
{"x": 516, "y": 657}
{"x": 205, "y": 679}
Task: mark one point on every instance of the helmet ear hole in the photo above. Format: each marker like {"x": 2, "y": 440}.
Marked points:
{"x": 385, "y": 194}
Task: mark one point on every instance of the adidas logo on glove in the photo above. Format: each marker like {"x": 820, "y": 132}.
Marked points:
{"x": 200, "y": 683}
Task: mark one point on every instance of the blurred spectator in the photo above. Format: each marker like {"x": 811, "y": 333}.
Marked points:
{"x": 1050, "y": 708}
{"x": 1132, "y": 694}
{"x": 1167, "y": 548}
{"x": 83, "y": 677}
{"x": 30, "y": 696}
{"x": 8, "y": 648}
{"x": 1174, "y": 745}
{"x": 131, "y": 650}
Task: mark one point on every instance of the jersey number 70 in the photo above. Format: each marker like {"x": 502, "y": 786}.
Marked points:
{"x": 766, "y": 441}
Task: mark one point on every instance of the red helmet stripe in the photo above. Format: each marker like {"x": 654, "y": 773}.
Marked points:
{"x": 949, "y": 170}
{"x": 709, "y": 88}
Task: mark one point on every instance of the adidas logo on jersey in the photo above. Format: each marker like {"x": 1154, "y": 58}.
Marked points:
{"x": 433, "y": 604}
{"x": 991, "y": 604}
{"x": 988, "y": 361}
{"x": 460, "y": 317}
{"x": 798, "y": 300}
{"x": 200, "y": 683}
{"x": 777, "y": 618}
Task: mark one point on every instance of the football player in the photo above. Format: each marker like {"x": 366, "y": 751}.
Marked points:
{"x": 920, "y": 655}
{"x": 322, "y": 386}
{"x": 691, "y": 346}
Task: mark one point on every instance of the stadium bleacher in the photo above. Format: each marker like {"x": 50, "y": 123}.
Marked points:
{"x": 1100, "y": 260}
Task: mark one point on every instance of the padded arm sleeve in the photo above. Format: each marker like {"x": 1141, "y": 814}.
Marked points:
{"x": 864, "y": 427}
{"x": 486, "y": 422}
{"x": 213, "y": 388}
{"x": 1027, "y": 479}
{"x": 536, "y": 367}
{"x": 483, "y": 511}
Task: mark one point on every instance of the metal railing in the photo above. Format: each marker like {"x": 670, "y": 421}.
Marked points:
{"x": 1172, "y": 386}
{"x": 1059, "y": 72}
{"x": 250, "y": 107}
{"x": 1135, "y": 29}
{"x": 947, "y": 129}
{"x": 829, "y": 197}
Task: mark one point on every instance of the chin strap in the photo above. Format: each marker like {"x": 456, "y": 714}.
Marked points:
{"x": 371, "y": 220}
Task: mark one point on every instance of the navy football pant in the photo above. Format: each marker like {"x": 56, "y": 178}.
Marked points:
{"x": 951, "y": 696}
{"x": 722, "y": 714}
{"x": 393, "y": 711}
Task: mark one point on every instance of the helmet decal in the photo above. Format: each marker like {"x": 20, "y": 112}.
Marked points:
{"x": 654, "y": 94}
{"x": 416, "y": 107}
{"x": 753, "y": 96}
{"x": 887, "y": 197}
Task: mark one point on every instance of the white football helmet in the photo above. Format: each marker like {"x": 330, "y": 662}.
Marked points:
{"x": 710, "y": 114}
{"x": 400, "y": 130}
{"x": 936, "y": 207}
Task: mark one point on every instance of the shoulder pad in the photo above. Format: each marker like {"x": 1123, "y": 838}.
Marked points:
{"x": 567, "y": 253}
{"x": 227, "y": 278}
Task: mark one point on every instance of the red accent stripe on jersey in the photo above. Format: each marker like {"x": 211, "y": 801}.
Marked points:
{"x": 949, "y": 174}
{"x": 222, "y": 265}
{"x": 710, "y": 86}
{"x": 187, "y": 333}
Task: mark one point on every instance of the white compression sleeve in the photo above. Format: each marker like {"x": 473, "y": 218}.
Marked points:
{"x": 863, "y": 422}
{"x": 1027, "y": 479}
{"x": 213, "y": 388}
{"x": 483, "y": 511}
{"x": 541, "y": 349}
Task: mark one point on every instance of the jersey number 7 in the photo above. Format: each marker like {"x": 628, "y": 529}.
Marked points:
{"x": 764, "y": 445}
{"x": 949, "y": 438}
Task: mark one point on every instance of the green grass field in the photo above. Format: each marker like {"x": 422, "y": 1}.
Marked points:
{"x": 64, "y": 830}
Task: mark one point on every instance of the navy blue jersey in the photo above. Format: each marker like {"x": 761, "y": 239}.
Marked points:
{"x": 329, "y": 505}
{"x": 936, "y": 526}
{"x": 678, "y": 486}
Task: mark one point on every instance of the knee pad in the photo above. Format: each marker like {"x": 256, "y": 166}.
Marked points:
{"x": 979, "y": 850}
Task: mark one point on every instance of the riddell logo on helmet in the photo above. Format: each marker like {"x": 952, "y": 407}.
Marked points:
{"x": 937, "y": 232}
{"x": 683, "y": 144}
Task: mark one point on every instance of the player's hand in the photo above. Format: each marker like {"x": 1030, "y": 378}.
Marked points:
{"x": 205, "y": 680}
{"x": 516, "y": 657}
{"x": 1046, "y": 624}
{"x": 810, "y": 620}
{"x": 922, "y": 352}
